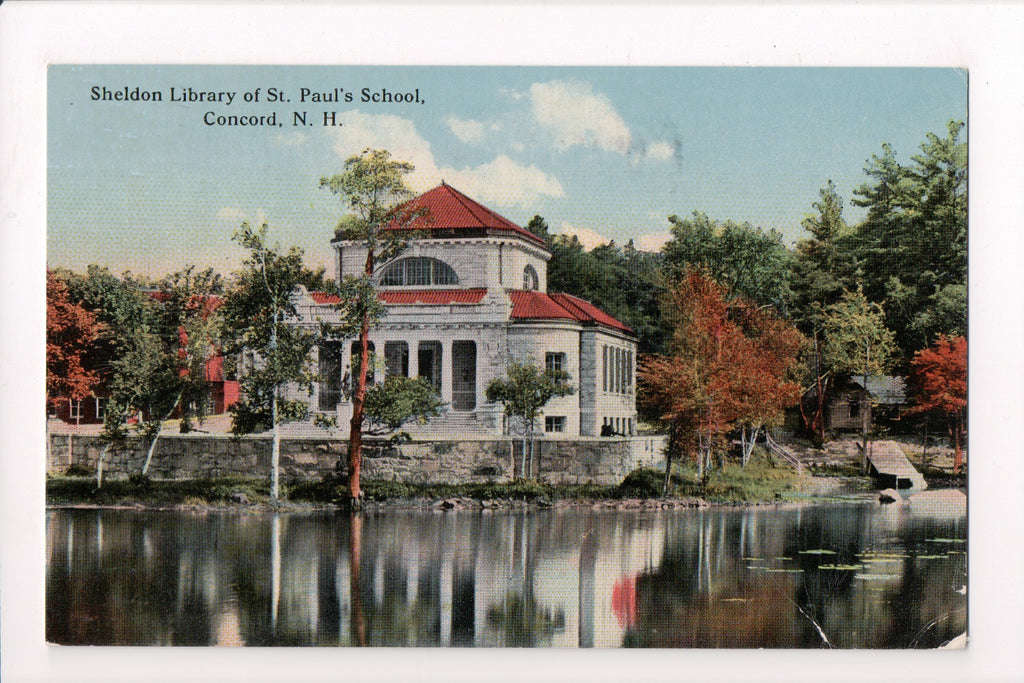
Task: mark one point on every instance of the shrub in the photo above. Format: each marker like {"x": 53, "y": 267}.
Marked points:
{"x": 642, "y": 483}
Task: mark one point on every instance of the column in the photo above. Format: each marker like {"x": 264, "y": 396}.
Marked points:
{"x": 446, "y": 370}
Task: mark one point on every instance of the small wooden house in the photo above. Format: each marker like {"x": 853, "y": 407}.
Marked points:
{"x": 856, "y": 404}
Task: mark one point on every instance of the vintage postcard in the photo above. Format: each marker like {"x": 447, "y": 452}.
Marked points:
{"x": 410, "y": 362}
{"x": 499, "y": 356}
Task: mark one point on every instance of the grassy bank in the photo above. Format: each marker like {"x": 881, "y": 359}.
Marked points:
{"x": 761, "y": 481}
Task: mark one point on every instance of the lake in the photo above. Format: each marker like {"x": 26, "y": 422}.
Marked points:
{"x": 849, "y": 574}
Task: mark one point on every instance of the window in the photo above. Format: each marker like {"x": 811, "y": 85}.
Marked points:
{"x": 629, "y": 370}
{"x": 854, "y": 408}
{"x": 554, "y": 362}
{"x": 604, "y": 367}
{"x": 418, "y": 271}
{"x": 75, "y": 409}
{"x": 329, "y": 368}
{"x": 555, "y": 423}
{"x": 616, "y": 370}
{"x": 100, "y": 404}
{"x": 396, "y": 358}
{"x": 530, "y": 279}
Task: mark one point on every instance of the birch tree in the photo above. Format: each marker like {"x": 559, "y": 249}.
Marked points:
{"x": 255, "y": 315}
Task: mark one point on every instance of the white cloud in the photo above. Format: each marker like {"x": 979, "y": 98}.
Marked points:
{"x": 579, "y": 116}
{"x": 587, "y": 237}
{"x": 660, "y": 151}
{"x": 359, "y": 131}
{"x": 652, "y": 241}
{"x": 505, "y": 183}
{"x": 230, "y": 213}
{"x": 502, "y": 182}
{"x": 466, "y": 130}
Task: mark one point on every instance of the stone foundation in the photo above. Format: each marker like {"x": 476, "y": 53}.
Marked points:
{"x": 199, "y": 456}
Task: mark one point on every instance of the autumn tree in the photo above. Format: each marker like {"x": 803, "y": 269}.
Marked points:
{"x": 729, "y": 364}
{"x": 374, "y": 192}
{"x": 524, "y": 391}
{"x": 70, "y": 330}
{"x": 938, "y": 381}
{"x": 255, "y": 314}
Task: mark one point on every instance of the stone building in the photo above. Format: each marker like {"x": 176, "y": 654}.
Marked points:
{"x": 466, "y": 297}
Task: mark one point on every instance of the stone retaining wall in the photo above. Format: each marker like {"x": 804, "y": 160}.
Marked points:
{"x": 561, "y": 461}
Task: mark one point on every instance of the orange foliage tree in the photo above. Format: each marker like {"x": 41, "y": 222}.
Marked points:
{"x": 70, "y": 330}
{"x": 729, "y": 367}
{"x": 938, "y": 380}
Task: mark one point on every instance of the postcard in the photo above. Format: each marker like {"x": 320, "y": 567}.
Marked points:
{"x": 416, "y": 357}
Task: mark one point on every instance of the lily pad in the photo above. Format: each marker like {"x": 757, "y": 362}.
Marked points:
{"x": 947, "y": 540}
{"x": 841, "y": 567}
{"x": 818, "y": 551}
{"x": 876, "y": 577}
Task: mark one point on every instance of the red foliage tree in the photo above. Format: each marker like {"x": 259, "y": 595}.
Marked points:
{"x": 938, "y": 381}
{"x": 70, "y": 329}
{"x": 729, "y": 365}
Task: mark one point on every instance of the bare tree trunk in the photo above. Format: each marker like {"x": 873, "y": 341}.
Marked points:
{"x": 152, "y": 444}
{"x": 275, "y": 453}
{"x": 355, "y": 432}
{"x": 99, "y": 466}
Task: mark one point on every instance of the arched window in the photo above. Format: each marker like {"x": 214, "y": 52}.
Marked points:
{"x": 418, "y": 271}
{"x": 530, "y": 279}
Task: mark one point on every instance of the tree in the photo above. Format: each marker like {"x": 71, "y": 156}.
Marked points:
{"x": 729, "y": 364}
{"x": 748, "y": 261}
{"x": 394, "y": 402}
{"x": 626, "y": 281}
{"x": 374, "y": 191}
{"x": 938, "y": 381}
{"x": 913, "y": 242}
{"x": 857, "y": 342}
{"x": 70, "y": 330}
{"x": 255, "y": 313}
{"x": 188, "y": 325}
{"x": 821, "y": 269}
{"x": 524, "y": 391}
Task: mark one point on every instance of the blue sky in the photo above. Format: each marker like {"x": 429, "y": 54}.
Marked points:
{"x": 606, "y": 153}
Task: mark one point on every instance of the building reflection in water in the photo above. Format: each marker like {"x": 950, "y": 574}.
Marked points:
{"x": 859, "y": 576}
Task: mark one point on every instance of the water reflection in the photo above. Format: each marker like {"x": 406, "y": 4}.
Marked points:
{"x": 855, "y": 575}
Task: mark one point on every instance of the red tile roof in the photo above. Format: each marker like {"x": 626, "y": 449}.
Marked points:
{"x": 525, "y": 305}
{"x": 445, "y": 208}
{"x": 325, "y": 298}
{"x": 541, "y": 306}
{"x": 432, "y": 296}
{"x": 415, "y": 296}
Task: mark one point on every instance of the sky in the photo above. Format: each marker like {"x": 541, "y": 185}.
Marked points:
{"x": 606, "y": 153}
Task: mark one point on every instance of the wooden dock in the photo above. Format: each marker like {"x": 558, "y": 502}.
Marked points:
{"x": 890, "y": 466}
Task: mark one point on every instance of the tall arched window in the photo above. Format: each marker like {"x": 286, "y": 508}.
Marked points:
{"x": 530, "y": 279}
{"x": 418, "y": 271}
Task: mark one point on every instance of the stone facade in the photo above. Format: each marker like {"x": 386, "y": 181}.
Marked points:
{"x": 465, "y": 298}
{"x": 561, "y": 461}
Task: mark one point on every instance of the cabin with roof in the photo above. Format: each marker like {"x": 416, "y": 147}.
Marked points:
{"x": 466, "y": 297}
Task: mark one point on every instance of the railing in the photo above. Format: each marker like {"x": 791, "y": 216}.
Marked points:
{"x": 783, "y": 452}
